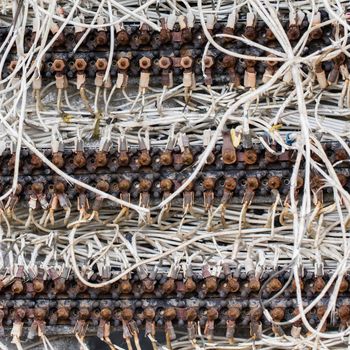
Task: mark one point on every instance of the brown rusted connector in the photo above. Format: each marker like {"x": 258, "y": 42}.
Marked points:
{"x": 122, "y": 37}
{"x": 186, "y": 62}
{"x": 145, "y": 63}
{"x": 62, "y": 313}
{"x": 229, "y": 62}
{"x": 293, "y": 32}
{"x": 12, "y": 65}
{"x": 144, "y": 36}
{"x": 165, "y": 64}
{"x": 251, "y": 186}
{"x": 58, "y": 66}
{"x": 255, "y": 325}
{"x": 101, "y": 64}
{"x": 344, "y": 285}
{"x": 123, "y": 63}
{"x": 250, "y": 156}
{"x": 36, "y": 162}
{"x": 164, "y": 34}
{"x": 166, "y": 157}
{"x": 38, "y": 285}
{"x": 101, "y": 38}
{"x": 149, "y": 314}
{"x": 17, "y": 286}
{"x": 101, "y": 159}
{"x": 274, "y": 285}
{"x": 80, "y": 64}
{"x": 319, "y": 284}
{"x": 274, "y": 182}
{"x": 208, "y": 66}
{"x": 277, "y": 314}
{"x": 232, "y": 315}
{"x": 254, "y": 283}
{"x": 125, "y": 286}
{"x": 169, "y": 286}
{"x": 212, "y": 314}
{"x": 57, "y": 159}
{"x": 228, "y": 150}
{"x": 190, "y": 285}
{"x": 344, "y": 315}
{"x": 79, "y": 159}
{"x": 208, "y": 194}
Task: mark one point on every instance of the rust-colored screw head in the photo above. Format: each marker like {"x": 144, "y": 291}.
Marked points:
{"x": 255, "y": 313}
{"x": 274, "y": 182}
{"x": 190, "y": 186}
{"x": 319, "y": 284}
{"x": 101, "y": 64}
{"x": 293, "y": 33}
{"x": 124, "y": 185}
{"x": 254, "y": 284}
{"x": 269, "y": 34}
{"x": 191, "y": 314}
{"x": 84, "y": 313}
{"x": 274, "y": 285}
{"x": 212, "y": 314}
{"x": 57, "y": 159}
{"x": 169, "y": 286}
{"x": 228, "y": 61}
{"x": 80, "y": 64}
{"x": 166, "y": 158}
{"x": 186, "y": 62}
{"x": 122, "y": 37}
{"x": 145, "y": 185}
{"x": 316, "y": 34}
{"x": 102, "y": 185}
{"x": 127, "y": 314}
{"x": 344, "y": 285}
{"x": 37, "y": 187}
{"x": 233, "y": 313}
{"x": 62, "y": 313}
{"x": 19, "y": 189}
{"x": 187, "y": 157}
{"x": 145, "y": 62}
{"x": 252, "y": 183}
{"x": 277, "y": 314}
{"x": 340, "y": 154}
{"x": 59, "y": 187}
{"x": 344, "y": 312}
{"x": 250, "y": 156}
{"x": 250, "y": 33}
{"x": 79, "y": 160}
{"x": 228, "y": 156}
{"x": 169, "y": 313}
{"x": 164, "y": 63}
{"x": 106, "y": 313}
{"x": 166, "y": 185}
{"x": 145, "y": 159}
{"x": 342, "y": 179}
{"x": 123, "y": 63}
{"x": 209, "y": 183}
{"x": 38, "y": 285}
{"x": 17, "y": 287}
{"x": 101, "y": 159}
{"x": 125, "y": 287}
{"x": 320, "y": 311}
{"x": 101, "y": 38}
{"x": 12, "y": 65}
{"x": 208, "y": 61}
{"x": 39, "y": 313}
{"x": 300, "y": 182}
{"x": 35, "y": 161}
{"x": 230, "y": 184}
{"x": 190, "y": 285}
{"x": 123, "y": 159}
{"x": 148, "y": 285}
{"x": 294, "y": 286}
{"x": 233, "y": 284}
{"x": 58, "y": 65}
{"x": 149, "y": 313}
{"x": 59, "y": 285}
{"x": 211, "y": 284}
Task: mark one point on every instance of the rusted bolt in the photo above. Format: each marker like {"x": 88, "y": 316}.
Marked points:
{"x": 101, "y": 38}
{"x": 252, "y": 183}
{"x": 277, "y": 314}
{"x": 62, "y": 313}
{"x": 340, "y": 154}
{"x": 211, "y": 284}
{"x": 59, "y": 285}
{"x": 300, "y": 182}
{"x": 145, "y": 185}
{"x": 145, "y": 63}
{"x": 102, "y": 185}
{"x": 190, "y": 186}
{"x": 80, "y": 64}
{"x": 124, "y": 185}
{"x": 233, "y": 284}
{"x": 106, "y": 313}
{"x": 148, "y": 285}
{"x": 191, "y": 314}
{"x": 344, "y": 312}
{"x": 187, "y": 157}
{"x": 293, "y": 33}
{"x": 166, "y": 158}
{"x": 57, "y": 159}
{"x": 228, "y": 156}
{"x": 294, "y": 286}
{"x": 212, "y": 314}
{"x": 101, "y": 159}
{"x": 12, "y": 65}
{"x": 37, "y": 187}
{"x": 166, "y": 185}
{"x": 228, "y": 61}
{"x": 274, "y": 182}
{"x": 208, "y": 61}
{"x": 344, "y": 285}
{"x": 84, "y": 313}
{"x": 274, "y": 285}
{"x": 144, "y": 37}
{"x": 190, "y": 285}
{"x": 209, "y": 183}
{"x": 122, "y": 37}
{"x": 17, "y": 287}
{"x": 144, "y": 158}
{"x": 316, "y": 34}
{"x": 250, "y": 156}
{"x": 269, "y": 34}
{"x": 233, "y": 313}
{"x": 254, "y": 284}
{"x": 79, "y": 160}
{"x": 125, "y": 287}
{"x": 59, "y": 187}
{"x": 230, "y": 184}
{"x": 127, "y": 314}
{"x": 58, "y": 65}
{"x": 169, "y": 313}
{"x": 342, "y": 179}
{"x": 101, "y": 64}
{"x": 186, "y": 62}
{"x": 38, "y": 285}
{"x": 164, "y": 63}
{"x": 255, "y": 313}
{"x": 169, "y": 286}
{"x": 320, "y": 311}
{"x": 123, "y": 63}
{"x": 319, "y": 284}
{"x": 40, "y": 313}
{"x": 36, "y": 161}
{"x": 149, "y": 313}
{"x": 250, "y": 33}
